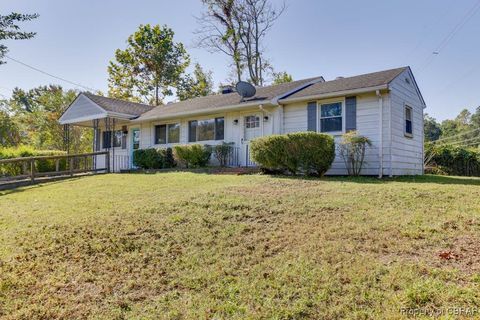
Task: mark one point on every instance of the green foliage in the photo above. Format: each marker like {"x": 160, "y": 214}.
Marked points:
{"x": 454, "y": 160}
{"x": 352, "y": 149}
{"x": 201, "y": 84}
{"x": 9, "y": 132}
{"x": 148, "y": 68}
{"x": 10, "y": 30}
{"x": 13, "y": 169}
{"x": 193, "y": 155}
{"x": 281, "y": 77}
{"x": 153, "y": 158}
{"x": 222, "y": 152}
{"x": 431, "y": 128}
{"x": 35, "y": 113}
{"x": 309, "y": 153}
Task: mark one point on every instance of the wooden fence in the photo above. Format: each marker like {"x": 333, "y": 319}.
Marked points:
{"x": 42, "y": 168}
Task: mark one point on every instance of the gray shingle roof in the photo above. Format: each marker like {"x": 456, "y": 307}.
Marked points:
{"x": 263, "y": 95}
{"x": 120, "y": 106}
{"x": 351, "y": 83}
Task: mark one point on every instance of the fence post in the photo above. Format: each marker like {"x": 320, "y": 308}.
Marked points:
{"x": 71, "y": 166}
{"x": 107, "y": 158}
{"x": 32, "y": 170}
{"x": 57, "y": 165}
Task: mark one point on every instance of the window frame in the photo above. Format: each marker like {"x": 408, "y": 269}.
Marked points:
{"x": 405, "y": 132}
{"x": 112, "y": 137}
{"x": 215, "y": 131}
{"x": 319, "y": 115}
{"x": 167, "y": 139}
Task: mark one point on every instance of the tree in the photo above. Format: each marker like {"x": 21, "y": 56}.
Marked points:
{"x": 432, "y": 129}
{"x": 9, "y": 133}
{"x": 36, "y": 113}
{"x": 201, "y": 84}
{"x": 219, "y": 32}
{"x": 281, "y": 77}
{"x": 10, "y": 30}
{"x": 255, "y": 19}
{"x": 238, "y": 29}
{"x": 149, "y": 67}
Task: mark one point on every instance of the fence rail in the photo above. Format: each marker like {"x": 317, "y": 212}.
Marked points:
{"x": 44, "y": 167}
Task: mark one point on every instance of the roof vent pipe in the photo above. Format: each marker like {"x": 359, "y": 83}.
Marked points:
{"x": 226, "y": 89}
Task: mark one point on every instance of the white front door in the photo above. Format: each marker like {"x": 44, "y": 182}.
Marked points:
{"x": 252, "y": 128}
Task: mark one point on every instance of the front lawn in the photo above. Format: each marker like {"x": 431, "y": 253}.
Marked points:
{"x": 197, "y": 246}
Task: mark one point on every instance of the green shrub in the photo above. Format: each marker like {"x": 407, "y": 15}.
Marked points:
{"x": 222, "y": 152}
{"x": 14, "y": 169}
{"x": 453, "y": 160}
{"x": 352, "y": 150}
{"x": 309, "y": 153}
{"x": 153, "y": 158}
{"x": 193, "y": 155}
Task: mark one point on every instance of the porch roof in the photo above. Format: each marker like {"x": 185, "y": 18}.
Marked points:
{"x": 87, "y": 107}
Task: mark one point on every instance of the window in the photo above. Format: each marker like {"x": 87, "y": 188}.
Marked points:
{"x": 207, "y": 129}
{"x": 408, "y": 121}
{"x": 118, "y": 138}
{"x": 331, "y": 117}
{"x": 252, "y": 122}
{"x": 173, "y": 133}
{"x": 167, "y": 133}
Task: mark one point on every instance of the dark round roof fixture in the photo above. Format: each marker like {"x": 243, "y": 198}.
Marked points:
{"x": 245, "y": 89}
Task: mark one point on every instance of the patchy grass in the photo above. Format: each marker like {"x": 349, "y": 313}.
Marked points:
{"x": 197, "y": 246}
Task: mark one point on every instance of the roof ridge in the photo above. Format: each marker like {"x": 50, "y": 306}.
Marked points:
{"x": 369, "y": 73}
{"x": 119, "y": 100}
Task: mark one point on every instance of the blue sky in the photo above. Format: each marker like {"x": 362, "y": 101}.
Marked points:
{"x": 76, "y": 40}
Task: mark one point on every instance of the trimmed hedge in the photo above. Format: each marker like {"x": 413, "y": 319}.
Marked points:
{"x": 14, "y": 169}
{"x": 193, "y": 155}
{"x": 309, "y": 153}
{"x": 153, "y": 158}
{"x": 454, "y": 160}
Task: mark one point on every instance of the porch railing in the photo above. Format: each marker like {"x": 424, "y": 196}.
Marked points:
{"x": 121, "y": 162}
{"x": 248, "y": 160}
{"x": 233, "y": 157}
{"x": 44, "y": 167}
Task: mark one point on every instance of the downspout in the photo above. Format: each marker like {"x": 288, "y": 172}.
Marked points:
{"x": 380, "y": 144}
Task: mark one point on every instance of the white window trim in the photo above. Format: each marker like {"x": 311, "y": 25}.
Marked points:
{"x": 405, "y": 107}
{"x": 201, "y": 118}
{"x": 319, "y": 115}
{"x": 167, "y": 143}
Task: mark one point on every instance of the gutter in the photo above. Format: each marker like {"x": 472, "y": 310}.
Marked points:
{"x": 334, "y": 94}
{"x": 203, "y": 111}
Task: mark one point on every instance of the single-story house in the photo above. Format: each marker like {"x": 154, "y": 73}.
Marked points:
{"x": 385, "y": 106}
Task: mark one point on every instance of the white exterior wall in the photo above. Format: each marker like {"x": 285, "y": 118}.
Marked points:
{"x": 407, "y": 152}
{"x": 232, "y": 132}
{"x": 368, "y": 124}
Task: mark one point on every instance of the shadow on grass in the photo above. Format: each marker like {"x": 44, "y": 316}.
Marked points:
{"x": 26, "y": 187}
{"x": 475, "y": 181}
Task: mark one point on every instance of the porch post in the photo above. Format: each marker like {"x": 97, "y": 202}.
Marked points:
{"x": 113, "y": 146}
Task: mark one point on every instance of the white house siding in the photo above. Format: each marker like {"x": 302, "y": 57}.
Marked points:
{"x": 295, "y": 120}
{"x": 232, "y": 132}
{"x": 84, "y": 108}
{"x": 407, "y": 153}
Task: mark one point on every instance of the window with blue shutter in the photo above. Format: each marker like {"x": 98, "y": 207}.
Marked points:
{"x": 312, "y": 116}
{"x": 351, "y": 114}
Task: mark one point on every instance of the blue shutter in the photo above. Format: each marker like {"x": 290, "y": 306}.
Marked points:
{"x": 312, "y": 116}
{"x": 351, "y": 113}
